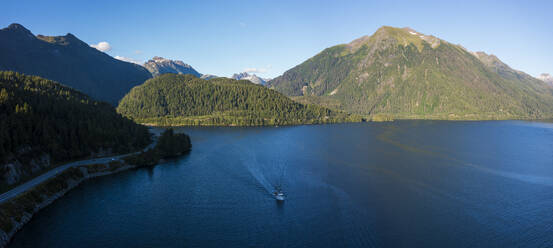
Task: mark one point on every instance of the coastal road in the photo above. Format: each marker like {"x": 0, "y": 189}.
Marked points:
{"x": 51, "y": 173}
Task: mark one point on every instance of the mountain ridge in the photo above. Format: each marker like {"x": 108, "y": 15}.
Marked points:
{"x": 159, "y": 65}
{"x": 250, "y": 77}
{"x": 70, "y": 61}
{"x": 406, "y": 74}
{"x": 546, "y": 77}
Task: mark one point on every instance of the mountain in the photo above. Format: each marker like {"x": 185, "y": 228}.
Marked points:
{"x": 252, "y": 78}
{"x": 208, "y": 76}
{"x": 173, "y": 100}
{"x": 43, "y": 123}
{"x": 546, "y": 78}
{"x": 158, "y": 65}
{"x": 69, "y": 61}
{"x": 402, "y": 73}
{"x": 504, "y": 71}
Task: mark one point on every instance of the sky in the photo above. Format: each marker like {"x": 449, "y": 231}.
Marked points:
{"x": 270, "y": 37}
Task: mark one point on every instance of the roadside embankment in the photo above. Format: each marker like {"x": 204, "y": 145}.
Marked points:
{"x": 17, "y": 211}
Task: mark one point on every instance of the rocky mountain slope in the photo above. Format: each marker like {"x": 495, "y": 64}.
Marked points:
{"x": 546, "y": 78}
{"x": 252, "y": 78}
{"x": 70, "y": 61}
{"x": 158, "y": 65}
{"x": 208, "y": 76}
{"x": 405, "y": 74}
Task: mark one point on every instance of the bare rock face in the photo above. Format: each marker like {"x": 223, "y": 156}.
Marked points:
{"x": 208, "y": 76}
{"x": 252, "y": 78}
{"x": 158, "y": 65}
{"x": 546, "y": 77}
{"x": 13, "y": 171}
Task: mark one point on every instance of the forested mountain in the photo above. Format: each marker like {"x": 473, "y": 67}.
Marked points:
{"x": 172, "y": 99}
{"x": 43, "y": 123}
{"x": 159, "y": 65}
{"x": 406, "y": 74}
{"x": 69, "y": 61}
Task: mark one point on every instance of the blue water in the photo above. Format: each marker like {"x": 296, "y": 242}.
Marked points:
{"x": 400, "y": 184}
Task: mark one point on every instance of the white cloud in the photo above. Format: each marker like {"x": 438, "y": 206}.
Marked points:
{"x": 128, "y": 60}
{"x": 102, "y": 46}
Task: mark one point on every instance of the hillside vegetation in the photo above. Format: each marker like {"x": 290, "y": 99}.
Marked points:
{"x": 173, "y": 100}
{"x": 406, "y": 74}
{"x": 43, "y": 122}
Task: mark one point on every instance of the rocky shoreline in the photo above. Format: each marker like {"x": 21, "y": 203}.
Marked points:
{"x": 83, "y": 173}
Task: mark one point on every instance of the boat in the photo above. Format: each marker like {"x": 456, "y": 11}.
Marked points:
{"x": 279, "y": 195}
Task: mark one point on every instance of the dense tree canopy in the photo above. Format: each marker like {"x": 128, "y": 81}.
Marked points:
{"x": 173, "y": 144}
{"x": 39, "y": 116}
{"x": 169, "y": 144}
{"x": 172, "y": 99}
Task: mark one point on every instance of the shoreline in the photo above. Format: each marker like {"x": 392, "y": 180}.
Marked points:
{"x": 150, "y": 124}
{"x": 19, "y": 210}
{"x": 365, "y": 120}
{"x": 41, "y": 198}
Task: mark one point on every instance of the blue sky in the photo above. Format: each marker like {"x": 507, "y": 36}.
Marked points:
{"x": 270, "y": 37}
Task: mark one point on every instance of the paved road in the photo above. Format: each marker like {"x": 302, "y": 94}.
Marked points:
{"x": 37, "y": 180}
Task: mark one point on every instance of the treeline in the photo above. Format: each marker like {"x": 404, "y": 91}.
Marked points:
{"x": 169, "y": 144}
{"x": 39, "y": 116}
{"x": 172, "y": 99}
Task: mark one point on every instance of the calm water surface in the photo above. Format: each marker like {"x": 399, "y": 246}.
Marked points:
{"x": 404, "y": 184}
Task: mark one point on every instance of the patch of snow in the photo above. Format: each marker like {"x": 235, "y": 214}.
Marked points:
{"x": 334, "y": 92}
{"x": 413, "y": 33}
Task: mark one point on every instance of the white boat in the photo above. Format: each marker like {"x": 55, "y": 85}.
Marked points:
{"x": 279, "y": 196}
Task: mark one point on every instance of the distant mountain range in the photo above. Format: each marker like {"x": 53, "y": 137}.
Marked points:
{"x": 252, "y": 78}
{"x": 70, "y": 61}
{"x": 402, "y": 73}
{"x": 208, "y": 76}
{"x": 158, "y": 65}
{"x": 546, "y": 78}
{"x": 396, "y": 72}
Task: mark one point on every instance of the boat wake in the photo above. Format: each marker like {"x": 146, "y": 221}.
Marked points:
{"x": 269, "y": 175}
